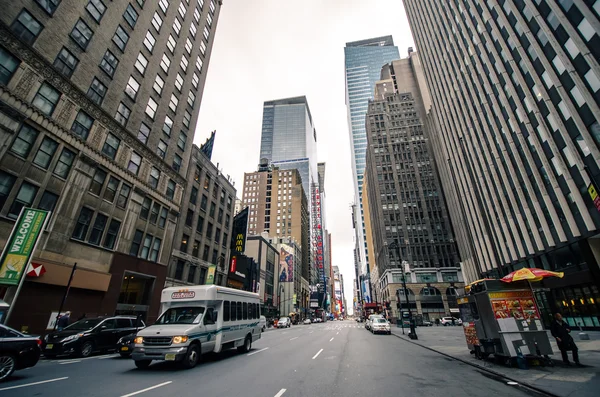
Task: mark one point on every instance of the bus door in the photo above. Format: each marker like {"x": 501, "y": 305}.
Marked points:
{"x": 210, "y": 327}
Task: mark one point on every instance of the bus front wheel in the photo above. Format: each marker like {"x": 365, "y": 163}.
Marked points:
{"x": 245, "y": 348}
{"x": 192, "y": 357}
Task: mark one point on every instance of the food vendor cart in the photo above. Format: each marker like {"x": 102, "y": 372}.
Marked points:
{"x": 503, "y": 320}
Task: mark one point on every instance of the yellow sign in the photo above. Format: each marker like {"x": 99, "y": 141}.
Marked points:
{"x": 592, "y": 191}
{"x": 239, "y": 242}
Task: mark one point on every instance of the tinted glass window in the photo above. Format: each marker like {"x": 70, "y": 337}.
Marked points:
{"x": 123, "y": 323}
{"x": 226, "y": 311}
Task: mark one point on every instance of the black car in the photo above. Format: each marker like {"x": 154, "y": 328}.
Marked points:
{"x": 17, "y": 351}
{"x": 89, "y": 335}
{"x": 125, "y": 345}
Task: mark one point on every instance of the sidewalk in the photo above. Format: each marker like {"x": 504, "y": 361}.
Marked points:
{"x": 559, "y": 380}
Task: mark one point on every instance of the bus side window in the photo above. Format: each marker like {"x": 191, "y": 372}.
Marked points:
{"x": 252, "y": 310}
{"x": 239, "y": 311}
{"x": 256, "y": 311}
{"x": 233, "y": 311}
{"x": 226, "y": 311}
{"x": 245, "y": 310}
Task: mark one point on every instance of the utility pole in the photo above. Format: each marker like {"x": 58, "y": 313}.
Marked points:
{"x": 413, "y": 330}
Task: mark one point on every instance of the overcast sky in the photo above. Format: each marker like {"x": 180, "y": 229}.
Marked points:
{"x": 272, "y": 49}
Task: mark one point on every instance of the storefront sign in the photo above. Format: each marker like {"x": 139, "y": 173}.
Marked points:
{"x": 19, "y": 249}
{"x": 593, "y": 192}
{"x": 210, "y": 275}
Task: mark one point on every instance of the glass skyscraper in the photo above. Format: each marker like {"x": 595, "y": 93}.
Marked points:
{"x": 364, "y": 60}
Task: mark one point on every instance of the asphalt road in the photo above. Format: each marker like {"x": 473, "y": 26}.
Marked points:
{"x": 330, "y": 359}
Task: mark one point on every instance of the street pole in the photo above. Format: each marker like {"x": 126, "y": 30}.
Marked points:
{"x": 65, "y": 296}
{"x": 413, "y": 330}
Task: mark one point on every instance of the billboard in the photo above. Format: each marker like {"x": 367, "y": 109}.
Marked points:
{"x": 210, "y": 275}
{"x": 238, "y": 235}
{"x": 286, "y": 264}
{"x": 18, "y": 251}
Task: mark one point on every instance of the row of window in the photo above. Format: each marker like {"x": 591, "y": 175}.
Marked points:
{"x": 103, "y": 232}
{"x": 25, "y": 196}
{"x": 145, "y": 246}
{"x": 236, "y": 311}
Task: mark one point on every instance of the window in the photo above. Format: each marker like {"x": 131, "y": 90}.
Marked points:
{"x": 24, "y": 141}
{"x": 199, "y": 64}
{"x": 189, "y": 218}
{"x": 97, "y": 182}
{"x": 586, "y": 29}
{"x": 171, "y": 189}
{"x": 209, "y": 230}
{"x": 179, "y": 82}
{"x": 590, "y": 77}
{"x": 83, "y": 223}
{"x": 6, "y": 184}
{"x": 64, "y": 163}
{"x": 123, "y": 113}
{"x": 131, "y": 16}
{"x": 111, "y": 234}
{"x": 96, "y": 8}
{"x": 149, "y": 41}
{"x": 159, "y": 84}
{"x": 151, "y": 108}
{"x": 123, "y": 195}
{"x": 97, "y": 91}
{"x": 177, "y": 162}
{"x": 193, "y": 30}
{"x": 577, "y": 96}
{"x": 212, "y": 210}
{"x": 209, "y": 20}
{"x": 82, "y": 34}
{"x": 111, "y": 189}
{"x": 217, "y": 235}
{"x": 136, "y": 242}
{"x": 98, "y": 229}
{"x": 24, "y": 198}
{"x": 143, "y": 133}
{"x": 154, "y": 213}
{"x": 191, "y": 274}
{"x": 48, "y": 5}
{"x": 177, "y": 26}
{"x": 8, "y": 65}
{"x": 155, "y": 250}
{"x": 163, "y": 4}
{"x": 197, "y": 15}
{"x": 182, "y": 10}
{"x": 121, "y": 38}
{"x": 220, "y": 215}
{"x": 182, "y": 140}
{"x": 109, "y": 63}
{"x": 187, "y": 119}
{"x": 195, "y": 80}
{"x": 66, "y": 62}
{"x": 141, "y": 63}
{"x": 171, "y": 43}
{"x": 146, "y": 247}
{"x": 157, "y": 22}
{"x": 165, "y": 62}
{"x": 111, "y": 145}
{"x": 145, "y": 211}
{"x": 194, "y": 195}
{"x": 26, "y": 27}
{"x": 168, "y": 125}
{"x": 162, "y": 220}
{"x": 48, "y": 201}
{"x": 200, "y": 224}
{"x": 184, "y": 63}
{"x": 44, "y": 155}
{"x": 224, "y": 242}
{"x": 46, "y": 99}
{"x": 188, "y": 46}
{"x": 134, "y": 163}
{"x": 154, "y": 176}
{"x": 161, "y": 149}
{"x": 206, "y": 33}
{"x": 132, "y": 88}
{"x": 212, "y": 7}
{"x": 204, "y": 202}
{"x": 202, "y": 48}
{"x": 572, "y": 48}
{"x": 173, "y": 103}
{"x": 191, "y": 99}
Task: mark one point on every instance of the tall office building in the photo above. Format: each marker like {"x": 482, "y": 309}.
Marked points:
{"x": 99, "y": 102}
{"x": 515, "y": 93}
{"x": 363, "y": 62}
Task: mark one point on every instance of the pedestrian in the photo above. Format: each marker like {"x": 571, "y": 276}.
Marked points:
{"x": 63, "y": 321}
{"x": 437, "y": 322}
{"x": 561, "y": 331}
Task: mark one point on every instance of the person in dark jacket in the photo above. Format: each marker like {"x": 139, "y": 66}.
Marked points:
{"x": 63, "y": 321}
{"x": 561, "y": 331}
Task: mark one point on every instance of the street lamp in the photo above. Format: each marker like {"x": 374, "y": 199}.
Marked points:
{"x": 413, "y": 332}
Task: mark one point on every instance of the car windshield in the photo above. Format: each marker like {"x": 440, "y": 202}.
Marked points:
{"x": 283, "y": 319}
{"x": 181, "y": 315}
{"x": 380, "y": 320}
{"x": 84, "y": 325}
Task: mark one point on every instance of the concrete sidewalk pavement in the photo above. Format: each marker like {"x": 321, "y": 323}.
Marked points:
{"x": 559, "y": 380}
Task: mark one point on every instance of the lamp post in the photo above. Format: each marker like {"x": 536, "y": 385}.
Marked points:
{"x": 413, "y": 331}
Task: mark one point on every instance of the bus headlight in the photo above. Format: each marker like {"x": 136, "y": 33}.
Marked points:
{"x": 139, "y": 340}
{"x": 179, "y": 339}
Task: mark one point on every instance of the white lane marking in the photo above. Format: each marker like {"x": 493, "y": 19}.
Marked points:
{"x": 34, "y": 383}
{"x": 78, "y": 359}
{"x": 330, "y": 339}
{"x": 280, "y": 393}
{"x": 258, "y": 351}
{"x": 147, "y": 389}
{"x": 294, "y": 338}
{"x": 317, "y": 355}
{"x": 69, "y": 362}
{"x": 105, "y": 357}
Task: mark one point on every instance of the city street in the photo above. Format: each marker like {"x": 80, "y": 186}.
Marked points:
{"x": 329, "y": 359}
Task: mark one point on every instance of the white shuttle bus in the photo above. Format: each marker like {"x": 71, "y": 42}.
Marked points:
{"x": 196, "y": 320}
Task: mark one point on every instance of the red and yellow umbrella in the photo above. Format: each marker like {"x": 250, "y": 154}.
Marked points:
{"x": 530, "y": 274}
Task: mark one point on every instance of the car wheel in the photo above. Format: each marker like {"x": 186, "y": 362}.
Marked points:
{"x": 7, "y": 366}
{"x": 245, "y": 348}
{"x": 192, "y": 357}
{"x": 142, "y": 364}
{"x": 86, "y": 349}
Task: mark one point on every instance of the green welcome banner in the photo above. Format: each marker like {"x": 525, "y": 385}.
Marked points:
{"x": 17, "y": 252}
{"x": 210, "y": 275}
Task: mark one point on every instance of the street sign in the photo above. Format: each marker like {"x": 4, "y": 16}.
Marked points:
{"x": 21, "y": 244}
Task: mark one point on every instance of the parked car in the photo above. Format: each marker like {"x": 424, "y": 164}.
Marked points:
{"x": 380, "y": 325}
{"x": 284, "y": 322}
{"x": 445, "y": 321}
{"x": 88, "y": 335}
{"x": 427, "y": 323}
{"x": 17, "y": 351}
{"x": 125, "y": 345}
{"x": 307, "y": 321}
{"x": 262, "y": 322}
{"x": 370, "y": 320}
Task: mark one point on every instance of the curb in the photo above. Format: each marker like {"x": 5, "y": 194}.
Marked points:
{"x": 500, "y": 377}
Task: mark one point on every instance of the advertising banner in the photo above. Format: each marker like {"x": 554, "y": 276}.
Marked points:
{"x": 19, "y": 249}
{"x": 238, "y": 235}
{"x": 286, "y": 265}
{"x": 210, "y": 275}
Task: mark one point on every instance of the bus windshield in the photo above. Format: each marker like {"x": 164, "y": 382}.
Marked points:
{"x": 181, "y": 315}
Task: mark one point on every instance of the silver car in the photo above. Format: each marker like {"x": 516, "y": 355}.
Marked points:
{"x": 380, "y": 325}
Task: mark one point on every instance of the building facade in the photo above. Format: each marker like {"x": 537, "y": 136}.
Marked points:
{"x": 291, "y": 295}
{"x": 204, "y": 230}
{"x": 98, "y": 105}
{"x": 267, "y": 257}
{"x": 515, "y": 94}
{"x": 363, "y": 62}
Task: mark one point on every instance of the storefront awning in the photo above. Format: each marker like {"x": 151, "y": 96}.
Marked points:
{"x": 58, "y": 274}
